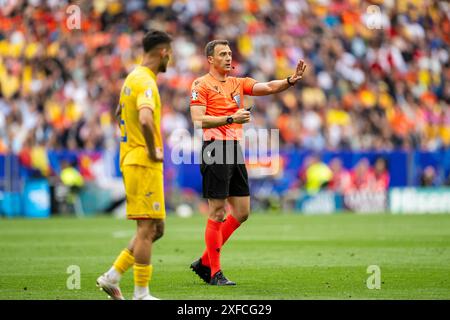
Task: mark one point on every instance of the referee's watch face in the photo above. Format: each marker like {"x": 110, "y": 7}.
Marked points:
{"x": 222, "y": 58}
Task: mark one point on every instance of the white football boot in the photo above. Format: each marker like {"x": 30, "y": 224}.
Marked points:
{"x": 110, "y": 287}
{"x": 146, "y": 297}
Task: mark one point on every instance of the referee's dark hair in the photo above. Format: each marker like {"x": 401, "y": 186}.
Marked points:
{"x": 209, "y": 49}
{"x": 154, "y": 37}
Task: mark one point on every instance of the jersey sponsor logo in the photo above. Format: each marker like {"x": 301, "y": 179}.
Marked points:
{"x": 148, "y": 93}
{"x": 194, "y": 95}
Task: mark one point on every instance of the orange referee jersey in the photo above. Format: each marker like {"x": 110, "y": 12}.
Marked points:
{"x": 221, "y": 98}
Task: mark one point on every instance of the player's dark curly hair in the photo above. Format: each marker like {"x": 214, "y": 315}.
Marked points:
{"x": 154, "y": 37}
{"x": 209, "y": 49}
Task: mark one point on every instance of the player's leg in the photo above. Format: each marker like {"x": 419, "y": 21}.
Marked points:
{"x": 147, "y": 231}
{"x": 240, "y": 209}
{"x": 109, "y": 281}
{"x": 158, "y": 235}
{"x": 139, "y": 182}
{"x": 123, "y": 262}
{"x": 131, "y": 244}
{"x": 149, "y": 211}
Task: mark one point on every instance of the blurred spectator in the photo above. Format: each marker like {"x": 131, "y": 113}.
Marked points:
{"x": 317, "y": 175}
{"x": 71, "y": 177}
{"x": 313, "y": 176}
{"x": 341, "y": 181}
{"x": 33, "y": 157}
{"x": 362, "y": 176}
{"x": 428, "y": 177}
{"x": 73, "y": 182}
{"x": 381, "y": 175}
{"x": 301, "y": 181}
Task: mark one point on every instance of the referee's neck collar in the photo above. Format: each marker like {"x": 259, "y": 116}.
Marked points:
{"x": 222, "y": 81}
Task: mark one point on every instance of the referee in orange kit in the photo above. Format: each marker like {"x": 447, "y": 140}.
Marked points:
{"x": 217, "y": 107}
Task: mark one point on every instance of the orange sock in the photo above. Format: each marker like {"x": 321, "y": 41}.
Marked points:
{"x": 213, "y": 239}
{"x": 228, "y": 226}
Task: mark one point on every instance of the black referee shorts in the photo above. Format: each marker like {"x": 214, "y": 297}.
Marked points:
{"x": 223, "y": 170}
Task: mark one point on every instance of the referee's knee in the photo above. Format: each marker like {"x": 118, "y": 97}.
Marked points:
{"x": 217, "y": 213}
{"x": 242, "y": 216}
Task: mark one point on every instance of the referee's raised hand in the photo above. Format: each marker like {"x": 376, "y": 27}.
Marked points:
{"x": 241, "y": 116}
{"x": 298, "y": 74}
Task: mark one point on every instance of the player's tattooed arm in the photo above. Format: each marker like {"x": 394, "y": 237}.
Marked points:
{"x": 275, "y": 86}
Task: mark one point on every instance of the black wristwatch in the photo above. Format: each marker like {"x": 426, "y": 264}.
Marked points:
{"x": 289, "y": 81}
{"x": 230, "y": 120}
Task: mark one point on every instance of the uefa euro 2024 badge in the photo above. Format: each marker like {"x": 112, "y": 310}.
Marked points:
{"x": 237, "y": 99}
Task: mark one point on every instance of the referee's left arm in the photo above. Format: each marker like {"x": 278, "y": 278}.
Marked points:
{"x": 275, "y": 86}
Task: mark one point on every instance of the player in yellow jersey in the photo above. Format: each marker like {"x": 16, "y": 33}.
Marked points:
{"x": 141, "y": 156}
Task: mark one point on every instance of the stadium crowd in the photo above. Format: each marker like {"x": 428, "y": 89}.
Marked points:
{"x": 366, "y": 88}
{"x": 316, "y": 175}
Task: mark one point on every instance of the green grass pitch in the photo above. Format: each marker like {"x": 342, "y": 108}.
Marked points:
{"x": 283, "y": 256}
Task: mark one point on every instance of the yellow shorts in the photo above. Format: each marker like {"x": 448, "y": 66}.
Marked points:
{"x": 144, "y": 188}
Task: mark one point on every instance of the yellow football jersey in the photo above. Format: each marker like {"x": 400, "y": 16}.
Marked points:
{"x": 138, "y": 91}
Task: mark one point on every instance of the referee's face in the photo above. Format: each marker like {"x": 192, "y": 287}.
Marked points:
{"x": 222, "y": 58}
